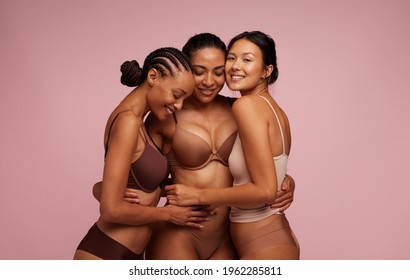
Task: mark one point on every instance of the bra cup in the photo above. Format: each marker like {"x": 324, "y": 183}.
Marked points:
{"x": 226, "y": 148}
{"x": 149, "y": 170}
{"x": 191, "y": 151}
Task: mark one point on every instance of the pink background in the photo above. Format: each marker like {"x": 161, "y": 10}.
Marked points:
{"x": 344, "y": 82}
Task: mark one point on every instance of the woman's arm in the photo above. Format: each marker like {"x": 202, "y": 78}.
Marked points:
{"x": 285, "y": 195}
{"x": 253, "y": 130}
{"x": 130, "y": 195}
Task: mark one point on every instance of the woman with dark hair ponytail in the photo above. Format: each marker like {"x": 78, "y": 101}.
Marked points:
{"x": 259, "y": 156}
{"x": 132, "y": 160}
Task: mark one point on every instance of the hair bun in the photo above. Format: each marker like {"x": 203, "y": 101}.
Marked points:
{"x": 131, "y": 73}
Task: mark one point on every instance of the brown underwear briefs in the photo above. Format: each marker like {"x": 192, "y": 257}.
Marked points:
{"x": 101, "y": 245}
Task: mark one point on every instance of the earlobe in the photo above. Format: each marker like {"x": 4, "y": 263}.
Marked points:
{"x": 268, "y": 71}
{"x": 152, "y": 76}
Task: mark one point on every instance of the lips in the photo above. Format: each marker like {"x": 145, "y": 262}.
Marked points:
{"x": 236, "y": 78}
{"x": 206, "y": 91}
{"x": 169, "y": 110}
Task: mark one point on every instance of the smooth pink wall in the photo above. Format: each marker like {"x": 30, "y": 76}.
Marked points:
{"x": 343, "y": 81}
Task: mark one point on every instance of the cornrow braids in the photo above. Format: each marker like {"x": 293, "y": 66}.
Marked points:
{"x": 160, "y": 64}
{"x": 164, "y": 60}
{"x": 131, "y": 73}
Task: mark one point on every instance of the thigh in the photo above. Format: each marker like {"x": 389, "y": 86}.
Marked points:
{"x": 83, "y": 255}
{"x": 225, "y": 251}
{"x": 275, "y": 252}
{"x": 270, "y": 238}
{"x": 170, "y": 242}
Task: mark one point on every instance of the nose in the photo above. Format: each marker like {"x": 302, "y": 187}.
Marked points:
{"x": 208, "y": 80}
{"x": 236, "y": 65}
{"x": 178, "y": 104}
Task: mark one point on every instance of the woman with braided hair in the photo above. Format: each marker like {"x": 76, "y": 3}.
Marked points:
{"x": 197, "y": 142}
{"x": 132, "y": 161}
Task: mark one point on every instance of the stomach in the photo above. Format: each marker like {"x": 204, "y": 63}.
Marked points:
{"x": 214, "y": 175}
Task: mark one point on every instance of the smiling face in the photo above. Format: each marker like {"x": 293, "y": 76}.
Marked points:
{"x": 208, "y": 68}
{"x": 168, "y": 93}
{"x": 244, "y": 67}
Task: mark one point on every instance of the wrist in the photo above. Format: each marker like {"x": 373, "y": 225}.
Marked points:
{"x": 165, "y": 214}
{"x": 201, "y": 197}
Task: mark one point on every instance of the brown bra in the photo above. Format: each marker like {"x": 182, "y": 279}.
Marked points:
{"x": 149, "y": 170}
{"x": 190, "y": 151}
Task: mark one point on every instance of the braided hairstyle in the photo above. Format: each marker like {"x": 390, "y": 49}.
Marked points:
{"x": 202, "y": 41}
{"x": 267, "y": 46}
{"x": 167, "y": 61}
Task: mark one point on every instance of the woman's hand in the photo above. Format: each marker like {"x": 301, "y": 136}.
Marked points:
{"x": 131, "y": 196}
{"x": 190, "y": 216}
{"x": 182, "y": 195}
{"x": 285, "y": 195}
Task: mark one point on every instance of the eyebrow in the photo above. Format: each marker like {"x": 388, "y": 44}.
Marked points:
{"x": 243, "y": 53}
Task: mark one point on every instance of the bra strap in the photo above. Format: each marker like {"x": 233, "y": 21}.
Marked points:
{"x": 277, "y": 118}
{"x": 109, "y": 134}
{"x": 158, "y": 148}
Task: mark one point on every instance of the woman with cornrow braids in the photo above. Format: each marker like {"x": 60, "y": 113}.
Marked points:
{"x": 132, "y": 160}
{"x": 197, "y": 141}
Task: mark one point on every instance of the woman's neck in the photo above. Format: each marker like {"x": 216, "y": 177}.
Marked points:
{"x": 137, "y": 101}
{"x": 258, "y": 90}
{"x": 193, "y": 102}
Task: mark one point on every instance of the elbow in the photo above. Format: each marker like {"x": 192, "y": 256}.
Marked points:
{"x": 97, "y": 190}
{"x": 108, "y": 214}
{"x": 269, "y": 195}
